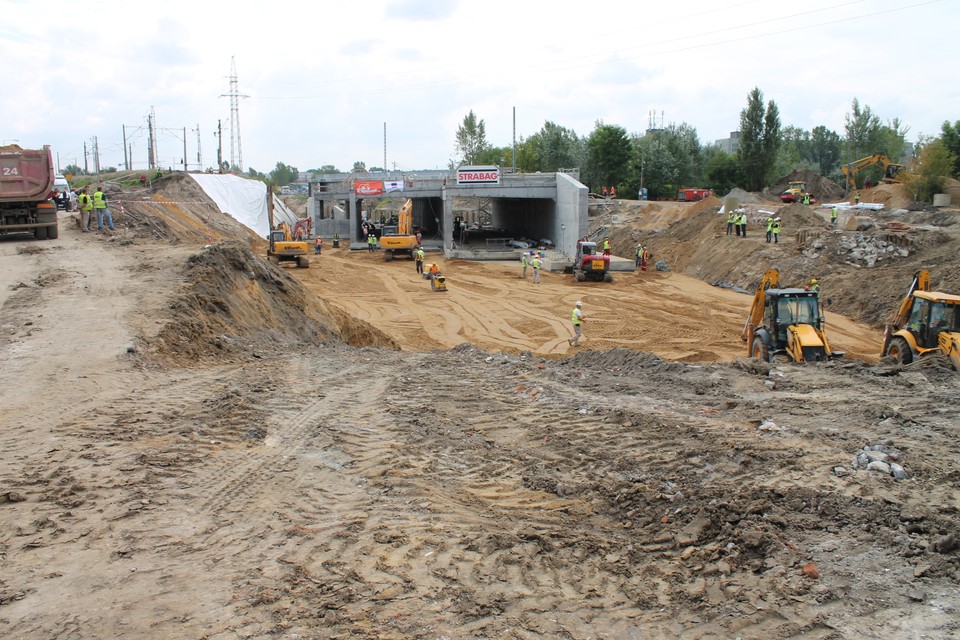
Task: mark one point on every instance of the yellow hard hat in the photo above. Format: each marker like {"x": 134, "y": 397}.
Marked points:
{"x": 813, "y": 281}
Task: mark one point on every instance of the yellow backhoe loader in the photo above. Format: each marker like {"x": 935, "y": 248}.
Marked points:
{"x": 927, "y": 323}
{"x": 786, "y": 324}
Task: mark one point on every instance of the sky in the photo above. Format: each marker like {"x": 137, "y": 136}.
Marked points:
{"x": 329, "y": 82}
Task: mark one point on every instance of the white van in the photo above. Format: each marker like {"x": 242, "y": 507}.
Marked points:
{"x": 59, "y": 182}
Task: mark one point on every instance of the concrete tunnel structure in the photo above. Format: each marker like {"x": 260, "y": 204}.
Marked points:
{"x": 551, "y": 207}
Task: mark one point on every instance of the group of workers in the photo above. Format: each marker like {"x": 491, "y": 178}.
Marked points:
{"x": 773, "y": 229}
{"x": 737, "y": 219}
{"x": 88, "y": 204}
{"x": 534, "y": 261}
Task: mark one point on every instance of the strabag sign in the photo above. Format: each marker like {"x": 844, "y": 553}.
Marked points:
{"x": 368, "y": 187}
{"x": 478, "y": 175}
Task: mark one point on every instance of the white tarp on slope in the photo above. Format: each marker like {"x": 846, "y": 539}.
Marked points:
{"x": 244, "y": 200}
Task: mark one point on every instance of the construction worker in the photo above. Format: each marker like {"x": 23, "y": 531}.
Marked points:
{"x": 815, "y": 286}
{"x": 86, "y": 210}
{"x": 731, "y": 220}
{"x": 418, "y": 258}
{"x": 103, "y": 212}
{"x": 606, "y": 246}
{"x": 736, "y": 220}
{"x": 640, "y": 254}
{"x": 318, "y": 247}
{"x": 644, "y": 258}
{"x": 833, "y": 216}
{"x": 613, "y": 192}
{"x": 806, "y": 199}
{"x": 434, "y": 270}
{"x": 371, "y": 242}
{"x": 775, "y": 228}
{"x": 524, "y": 261}
{"x": 743, "y": 223}
{"x": 577, "y": 319}
{"x": 536, "y": 263}
{"x": 856, "y": 198}
{"x": 770, "y": 228}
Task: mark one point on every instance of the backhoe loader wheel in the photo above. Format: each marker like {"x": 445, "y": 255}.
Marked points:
{"x": 900, "y": 351}
{"x": 759, "y": 350}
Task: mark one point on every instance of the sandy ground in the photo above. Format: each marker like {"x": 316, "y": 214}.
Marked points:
{"x": 488, "y": 305}
{"x": 508, "y": 488}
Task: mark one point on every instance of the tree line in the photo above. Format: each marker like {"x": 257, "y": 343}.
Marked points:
{"x": 667, "y": 159}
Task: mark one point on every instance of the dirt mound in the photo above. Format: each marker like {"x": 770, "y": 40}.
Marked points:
{"x": 744, "y": 197}
{"x": 823, "y": 189}
{"x": 891, "y": 196}
{"x": 175, "y": 209}
{"x": 798, "y": 216}
{"x": 235, "y": 304}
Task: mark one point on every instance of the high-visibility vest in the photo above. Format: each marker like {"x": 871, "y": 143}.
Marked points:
{"x": 99, "y": 201}
{"x": 85, "y": 202}
{"x": 523, "y": 259}
{"x": 536, "y": 263}
{"x": 606, "y": 245}
{"x": 769, "y": 224}
{"x": 776, "y": 227}
{"x": 732, "y": 218}
{"x": 575, "y": 316}
{"x": 419, "y": 255}
{"x": 834, "y": 213}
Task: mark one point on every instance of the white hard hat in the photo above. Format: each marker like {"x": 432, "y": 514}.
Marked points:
{"x": 579, "y": 304}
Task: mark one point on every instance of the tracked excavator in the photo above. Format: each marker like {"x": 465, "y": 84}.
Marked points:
{"x": 283, "y": 247}
{"x": 926, "y": 324}
{"x": 399, "y": 239}
{"x": 786, "y": 324}
{"x": 891, "y": 170}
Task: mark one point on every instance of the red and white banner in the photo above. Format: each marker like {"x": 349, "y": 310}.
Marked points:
{"x": 392, "y": 185}
{"x": 368, "y": 188}
{"x": 478, "y": 175}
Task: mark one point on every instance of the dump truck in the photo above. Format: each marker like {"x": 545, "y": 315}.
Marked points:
{"x": 927, "y": 323}
{"x": 590, "y": 264}
{"x": 786, "y": 324}
{"x": 399, "y": 239}
{"x": 26, "y": 199}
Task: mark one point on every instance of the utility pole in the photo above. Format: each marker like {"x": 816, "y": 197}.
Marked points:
{"x": 384, "y": 147}
{"x": 514, "y": 139}
{"x": 219, "y": 134}
{"x": 86, "y": 165}
{"x": 184, "y": 149}
{"x": 126, "y": 160}
{"x": 151, "y": 142}
{"x": 96, "y": 156}
{"x": 236, "y": 154}
{"x": 199, "y": 157}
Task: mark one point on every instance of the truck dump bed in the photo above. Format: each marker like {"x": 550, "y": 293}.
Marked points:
{"x": 26, "y": 175}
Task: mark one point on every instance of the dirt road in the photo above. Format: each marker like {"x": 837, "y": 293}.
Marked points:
{"x": 488, "y": 305}
{"x": 332, "y": 491}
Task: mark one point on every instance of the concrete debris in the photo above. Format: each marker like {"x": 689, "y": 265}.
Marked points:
{"x": 879, "y": 458}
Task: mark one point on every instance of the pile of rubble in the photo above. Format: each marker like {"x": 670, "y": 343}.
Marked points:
{"x": 876, "y": 457}
{"x": 858, "y": 250}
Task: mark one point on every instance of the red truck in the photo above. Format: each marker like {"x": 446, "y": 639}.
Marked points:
{"x": 26, "y": 198}
{"x": 693, "y": 195}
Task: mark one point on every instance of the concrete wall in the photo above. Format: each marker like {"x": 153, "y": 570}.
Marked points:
{"x": 571, "y": 222}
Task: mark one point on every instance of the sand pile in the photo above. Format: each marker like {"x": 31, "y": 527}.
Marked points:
{"x": 823, "y": 189}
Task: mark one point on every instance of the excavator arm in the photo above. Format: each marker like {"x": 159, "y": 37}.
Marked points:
{"x": 890, "y": 168}
{"x": 771, "y": 280}
{"x": 920, "y": 282}
{"x": 405, "y": 219}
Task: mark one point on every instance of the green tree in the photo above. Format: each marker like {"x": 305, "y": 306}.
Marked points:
{"x": 825, "y": 150}
{"x": 74, "y": 170}
{"x": 556, "y": 147}
{"x": 929, "y": 172}
{"x": 471, "y": 139}
{"x": 256, "y": 175}
{"x": 760, "y": 138}
{"x": 500, "y": 156}
{"x": 722, "y": 171}
{"x": 608, "y": 156}
{"x": 359, "y": 167}
{"x": 284, "y": 174}
{"x": 950, "y": 136}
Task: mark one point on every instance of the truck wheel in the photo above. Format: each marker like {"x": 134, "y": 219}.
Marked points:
{"x": 53, "y": 232}
{"x": 759, "y": 350}
{"x": 581, "y": 276}
{"x": 900, "y": 351}
{"x": 40, "y": 233}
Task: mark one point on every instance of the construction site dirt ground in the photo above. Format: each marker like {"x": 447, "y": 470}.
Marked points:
{"x": 199, "y": 444}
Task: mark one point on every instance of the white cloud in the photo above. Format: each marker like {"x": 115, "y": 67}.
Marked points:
{"x": 322, "y": 78}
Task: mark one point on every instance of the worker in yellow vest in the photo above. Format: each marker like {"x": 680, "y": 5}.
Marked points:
{"x": 577, "y": 319}
{"x": 731, "y": 219}
{"x": 103, "y": 212}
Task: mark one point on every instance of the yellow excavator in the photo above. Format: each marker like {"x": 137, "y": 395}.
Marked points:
{"x": 399, "y": 239}
{"x": 927, "y": 323}
{"x": 891, "y": 170}
{"x": 786, "y": 324}
{"x": 283, "y": 248}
